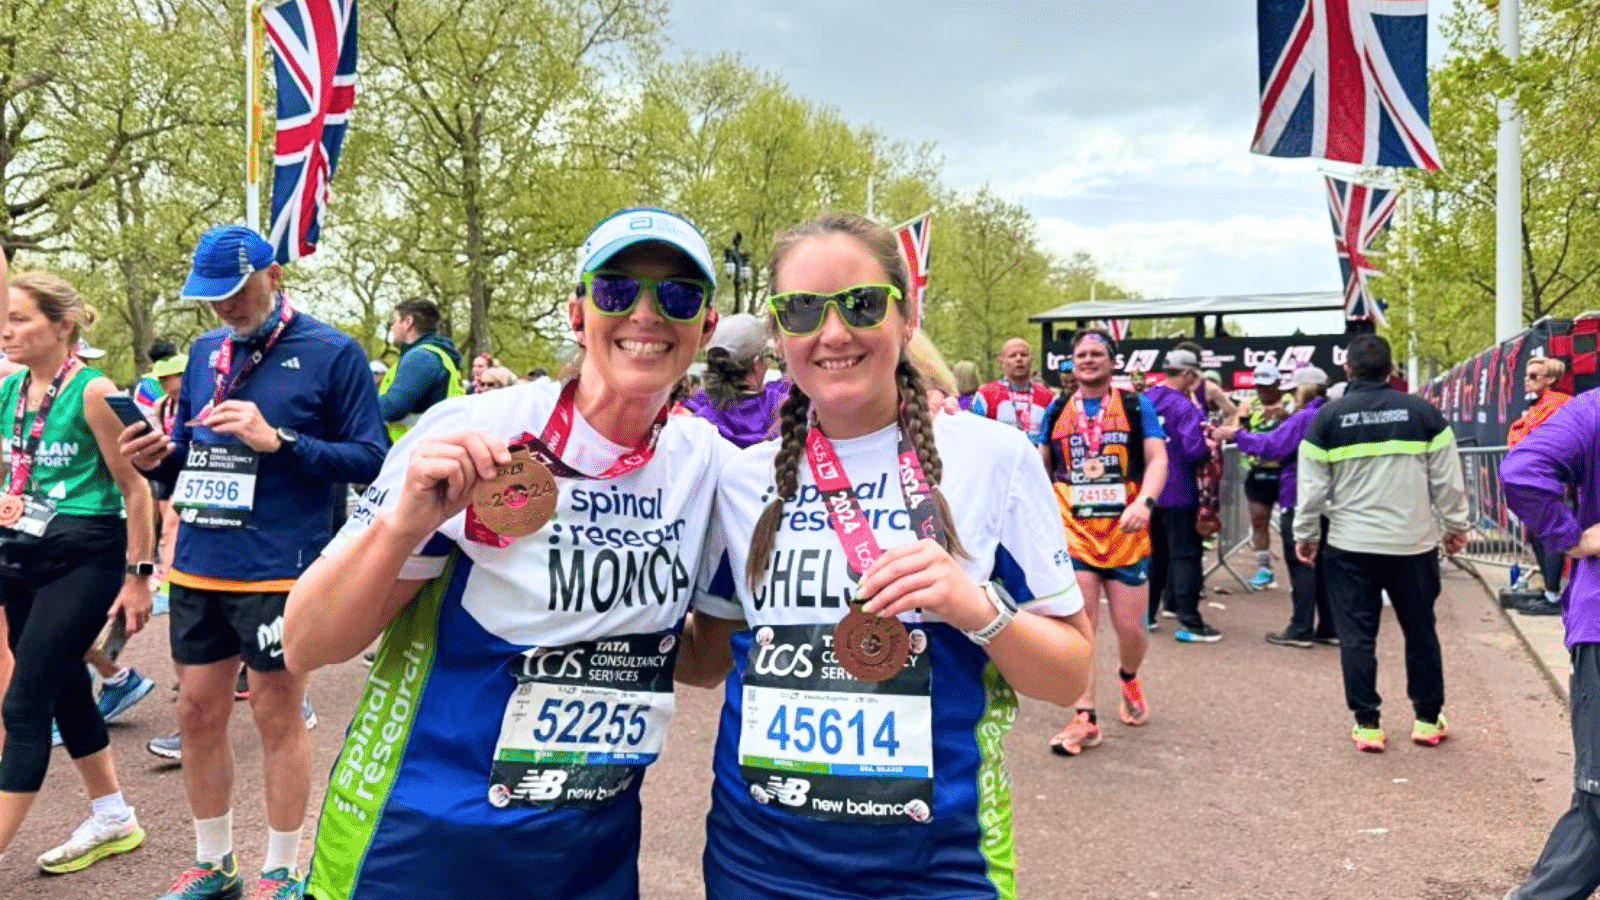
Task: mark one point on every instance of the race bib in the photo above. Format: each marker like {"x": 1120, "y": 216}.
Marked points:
{"x": 584, "y": 721}
{"x": 36, "y": 515}
{"x": 1095, "y": 488}
{"x": 819, "y": 743}
{"x": 217, "y": 488}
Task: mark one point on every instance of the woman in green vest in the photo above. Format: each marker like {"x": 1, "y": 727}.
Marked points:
{"x": 75, "y": 532}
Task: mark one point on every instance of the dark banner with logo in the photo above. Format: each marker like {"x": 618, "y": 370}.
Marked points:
{"x": 1232, "y": 358}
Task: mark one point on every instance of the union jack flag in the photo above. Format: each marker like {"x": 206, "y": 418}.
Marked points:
{"x": 314, "y": 61}
{"x": 1345, "y": 80}
{"x": 1360, "y": 213}
{"x": 1117, "y": 328}
{"x": 913, "y": 238}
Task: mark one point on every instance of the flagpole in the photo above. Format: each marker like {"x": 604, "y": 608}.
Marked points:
{"x": 252, "y": 113}
{"x": 1508, "y": 196}
{"x": 1411, "y": 293}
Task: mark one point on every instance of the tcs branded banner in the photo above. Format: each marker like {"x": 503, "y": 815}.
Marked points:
{"x": 1482, "y": 395}
{"x": 1232, "y": 358}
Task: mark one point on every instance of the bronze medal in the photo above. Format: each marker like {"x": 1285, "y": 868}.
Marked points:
{"x": 869, "y": 647}
{"x": 519, "y": 499}
{"x": 11, "y": 508}
{"x": 1093, "y": 467}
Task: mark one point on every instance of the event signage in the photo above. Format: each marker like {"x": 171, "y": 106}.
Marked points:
{"x": 1232, "y": 358}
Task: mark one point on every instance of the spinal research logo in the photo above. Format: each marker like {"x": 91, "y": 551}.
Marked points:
{"x": 787, "y": 791}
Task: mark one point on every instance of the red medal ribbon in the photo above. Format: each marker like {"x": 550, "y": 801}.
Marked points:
{"x": 1022, "y": 404}
{"x": 548, "y": 447}
{"x": 225, "y": 386}
{"x": 1092, "y": 430}
{"x": 850, "y": 525}
{"x": 22, "y": 453}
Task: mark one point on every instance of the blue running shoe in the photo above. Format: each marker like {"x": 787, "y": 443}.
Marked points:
{"x": 1263, "y": 579}
{"x": 1200, "y": 634}
{"x": 114, "y": 700}
{"x": 279, "y": 884}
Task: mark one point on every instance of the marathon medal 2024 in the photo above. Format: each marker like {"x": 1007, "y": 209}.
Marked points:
{"x": 524, "y": 500}
{"x": 871, "y": 648}
{"x": 10, "y": 510}
{"x": 519, "y": 499}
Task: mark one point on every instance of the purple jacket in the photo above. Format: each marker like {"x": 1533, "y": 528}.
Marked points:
{"x": 1186, "y": 444}
{"x": 1282, "y": 443}
{"x": 1563, "y": 453}
{"x": 748, "y": 420}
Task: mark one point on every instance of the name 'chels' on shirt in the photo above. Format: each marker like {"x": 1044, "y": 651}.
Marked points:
{"x": 819, "y": 576}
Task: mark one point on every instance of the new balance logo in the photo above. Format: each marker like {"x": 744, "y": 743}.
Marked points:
{"x": 292, "y": 362}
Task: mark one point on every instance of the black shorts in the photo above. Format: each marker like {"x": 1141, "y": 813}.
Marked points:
{"x": 211, "y": 626}
{"x": 1261, "y": 485}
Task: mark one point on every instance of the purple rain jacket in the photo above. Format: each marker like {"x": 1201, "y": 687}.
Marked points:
{"x": 1186, "y": 444}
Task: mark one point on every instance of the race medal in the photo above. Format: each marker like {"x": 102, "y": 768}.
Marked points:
{"x": 1093, "y": 467}
{"x": 870, "y": 647}
{"x": 11, "y": 508}
{"x": 519, "y": 499}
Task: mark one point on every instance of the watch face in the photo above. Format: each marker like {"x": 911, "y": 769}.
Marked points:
{"x": 1004, "y": 596}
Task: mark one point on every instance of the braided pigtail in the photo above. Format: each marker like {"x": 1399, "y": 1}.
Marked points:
{"x": 919, "y": 431}
{"x": 794, "y": 420}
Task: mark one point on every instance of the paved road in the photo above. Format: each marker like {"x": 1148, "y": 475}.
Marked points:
{"x": 1243, "y": 785}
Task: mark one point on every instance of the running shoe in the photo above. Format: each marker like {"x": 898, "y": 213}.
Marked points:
{"x": 1134, "y": 708}
{"x": 1367, "y": 740}
{"x": 55, "y": 735}
{"x": 97, "y": 838}
{"x": 279, "y": 884}
{"x": 1287, "y": 639}
{"x": 167, "y": 746}
{"x": 208, "y": 881}
{"x": 160, "y": 600}
{"x": 114, "y": 700}
{"x": 241, "y": 685}
{"x": 1200, "y": 634}
{"x": 309, "y": 714}
{"x": 1151, "y": 625}
{"x": 1330, "y": 640}
{"x": 1079, "y": 733}
{"x": 1429, "y": 734}
{"x": 1263, "y": 579}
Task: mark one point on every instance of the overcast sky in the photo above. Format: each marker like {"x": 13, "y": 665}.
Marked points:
{"x": 1123, "y": 125}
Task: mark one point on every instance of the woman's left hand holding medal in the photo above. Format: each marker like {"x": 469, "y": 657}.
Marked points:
{"x": 441, "y": 476}
{"x": 922, "y": 575}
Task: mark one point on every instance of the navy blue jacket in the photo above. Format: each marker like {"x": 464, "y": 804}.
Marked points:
{"x": 314, "y": 380}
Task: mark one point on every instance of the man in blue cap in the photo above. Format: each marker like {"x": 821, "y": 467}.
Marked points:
{"x": 275, "y": 407}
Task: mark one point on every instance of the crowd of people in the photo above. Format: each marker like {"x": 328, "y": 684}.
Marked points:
{"x": 872, "y": 551}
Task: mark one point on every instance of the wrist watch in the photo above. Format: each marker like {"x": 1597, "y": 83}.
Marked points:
{"x": 141, "y": 569}
{"x": 287, "y": 438}
{"x": 1149, "y": 502}
{"x": 1005, "y": 609}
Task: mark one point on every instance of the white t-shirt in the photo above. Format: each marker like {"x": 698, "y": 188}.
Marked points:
{"x": 998, "y": 492}
{"x": 618, "y": 557}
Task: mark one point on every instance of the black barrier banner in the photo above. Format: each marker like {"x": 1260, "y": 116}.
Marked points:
{"x": 1233, "y": 358}
{"x": 1482, "y": 395}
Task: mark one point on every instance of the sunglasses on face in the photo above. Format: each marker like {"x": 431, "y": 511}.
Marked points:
{"x": 800, "y": 313}
{"x": 677, "y": 298}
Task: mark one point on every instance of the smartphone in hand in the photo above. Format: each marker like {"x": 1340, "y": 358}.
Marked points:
{"x": 127, "y": 411}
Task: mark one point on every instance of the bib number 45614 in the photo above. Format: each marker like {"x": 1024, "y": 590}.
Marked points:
{"x": 829, "y": 731}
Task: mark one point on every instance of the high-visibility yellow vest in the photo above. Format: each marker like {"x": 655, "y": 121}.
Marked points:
{"x": 453, "y": 389}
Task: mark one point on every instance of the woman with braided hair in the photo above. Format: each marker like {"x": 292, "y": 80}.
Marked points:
{"x": 888, "y": 591}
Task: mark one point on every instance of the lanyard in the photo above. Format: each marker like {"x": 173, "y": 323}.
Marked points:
{"x": 548, "y": 447}
{"x": 844, "y": 511}
{"x": 228, "y": 386}
{"x": 22, "y": 454}
{"x": 1093, "y": 430}
{"x": 1022, "y": 404}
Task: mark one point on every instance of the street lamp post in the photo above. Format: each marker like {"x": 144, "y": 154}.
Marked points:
{"x": 736, "y": 265}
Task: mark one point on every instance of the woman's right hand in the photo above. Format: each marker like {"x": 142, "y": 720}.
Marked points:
{"x": 441, "y": 475}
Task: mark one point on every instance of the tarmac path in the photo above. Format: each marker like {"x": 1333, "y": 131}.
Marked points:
{"x": 1244, "y": 784}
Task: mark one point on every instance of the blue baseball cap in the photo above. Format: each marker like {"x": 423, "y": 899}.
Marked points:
{"x": 224, "y": 258}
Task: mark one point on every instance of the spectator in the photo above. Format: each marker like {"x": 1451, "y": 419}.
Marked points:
{"x": 1382, "y": 466}
{"x": 1174, "y": 543}
{"x": 494, "y": 378}
{"x": 480, "y": 364}
{"x": 428, "y": 370}
{"x": 966, "y": 375}
{"x": 148, "y": 390}
{"x": 736, "y": 397}
{"x": 1540, "y": 473}
{"x": 1017, "y": 399}
{"x": 1540, "y": 378}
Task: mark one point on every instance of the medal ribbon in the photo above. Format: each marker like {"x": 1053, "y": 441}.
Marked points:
{"x": 22, "y": 453}
{"x": 228, "y": 386}
{"x": 1022, "y": 403}
{"x": 861, "y": 548}
{"x": 1093, "y": 430}
{"x": 552, "y": 442}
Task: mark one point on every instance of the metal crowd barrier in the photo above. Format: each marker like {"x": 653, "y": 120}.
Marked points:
{"x": 1497, "y": 537}
{"x": 1233, "y": 512}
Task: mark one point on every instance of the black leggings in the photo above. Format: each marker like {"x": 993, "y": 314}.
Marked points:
{"x": 56, "y": 592}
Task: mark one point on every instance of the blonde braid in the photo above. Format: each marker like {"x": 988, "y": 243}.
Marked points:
{"x": 794, "y": 421}
{"x": 919, "y": 431}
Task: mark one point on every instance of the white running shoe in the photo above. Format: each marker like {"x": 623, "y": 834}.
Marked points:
{"x": 97, "y": 838}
